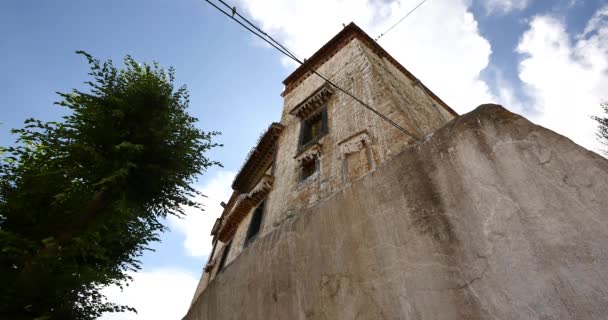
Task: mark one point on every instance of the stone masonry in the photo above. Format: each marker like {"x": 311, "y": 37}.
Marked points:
{"x": 355, "y": 140}
{"x": 490, "y": 217}
{"x": 337, "y": 214}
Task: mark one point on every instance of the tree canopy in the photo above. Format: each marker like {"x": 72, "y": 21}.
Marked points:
{"x": 83, "y": 198}
{"x": 602, "y": 134}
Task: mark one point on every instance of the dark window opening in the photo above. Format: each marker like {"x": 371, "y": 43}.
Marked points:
{"x": 224, "y": 256}
{"x": 309, "y": 166}
{"x": 255, "y": 224}
{"x": 313, "y": 127}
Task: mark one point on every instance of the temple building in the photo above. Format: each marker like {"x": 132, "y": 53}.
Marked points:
{"x": 325, "y": 139}
{"x": 338, "y": 213}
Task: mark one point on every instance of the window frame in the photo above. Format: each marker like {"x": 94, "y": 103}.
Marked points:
{"x": 304, "y": 126}
{"x": 224, "y": 257}
{"x": 260, "y": 211}
{"x": 303, "y": 178}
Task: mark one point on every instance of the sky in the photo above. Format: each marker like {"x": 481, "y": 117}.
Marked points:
{"x": 546, "y": 60}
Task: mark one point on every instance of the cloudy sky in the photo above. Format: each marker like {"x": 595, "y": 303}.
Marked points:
{"x": 547, "y": 60}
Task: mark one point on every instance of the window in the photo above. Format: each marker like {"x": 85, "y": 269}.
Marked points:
{"x": 313, "y": 127}
{"x": 309, "y": 166}
{"x": 224, "y": 256}
{"x": 255, "y": 224}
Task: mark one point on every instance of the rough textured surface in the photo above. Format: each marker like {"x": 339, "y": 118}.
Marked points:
{"x": 490, "y": 217}
{"x": 378, "y": 82}
{"x": 375, "y": 80}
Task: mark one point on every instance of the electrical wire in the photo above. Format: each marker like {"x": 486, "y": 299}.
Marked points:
{"x": 244, "y": 26}
{"x": 398, "y": 22}
{"x": 235, "y": 12}
{"x": 277, "y": 45}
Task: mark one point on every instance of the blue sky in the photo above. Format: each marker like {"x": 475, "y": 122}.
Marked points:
{"x": 547, "y": 60}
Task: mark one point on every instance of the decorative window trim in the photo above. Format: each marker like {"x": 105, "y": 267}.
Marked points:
{"x": 303, "y": 147}
{"x": 242, "y": 206}
{"x": 313, "y": 153}
{"x": 313, "y": 103}
{"x": 353, "y": 144}
{"x": 314, "y": 150}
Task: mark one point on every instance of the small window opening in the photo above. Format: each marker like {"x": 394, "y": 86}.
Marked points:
{"x": 313, "y": 127}
{"x": 256, "y": 223}
{"x": 224, "y": 256}
{"x": 309, "y": 166}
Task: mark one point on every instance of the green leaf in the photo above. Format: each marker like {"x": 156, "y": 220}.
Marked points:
{"x": 81, "y": 199}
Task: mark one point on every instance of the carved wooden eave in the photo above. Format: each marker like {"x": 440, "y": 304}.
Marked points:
{"x": 227, "y": 209}
{"x": 244, "y": 203}
{"x": 259, "y": 159}
{"x": 313, "y": 102}
{"x": 339, "y": 41}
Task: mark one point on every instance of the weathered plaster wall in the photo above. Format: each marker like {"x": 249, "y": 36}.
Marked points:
{"x": 376, "y": 81}
{"x": 238, "y": 241}
{"x": 490, "y": 217}
{"x": 237, "y": 245}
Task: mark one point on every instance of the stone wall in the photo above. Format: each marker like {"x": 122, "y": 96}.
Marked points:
{"x": 374, "y": 80}
{"x": 357, "y": 141}
{"x": 490, "y": 217}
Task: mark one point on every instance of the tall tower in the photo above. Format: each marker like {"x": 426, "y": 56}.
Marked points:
{"x": 325, "y": 139}
{"x": 337, "y": 214}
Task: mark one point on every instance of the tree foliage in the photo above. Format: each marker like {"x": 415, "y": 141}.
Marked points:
{"x": 602, "y": 134}
{"x": 81, "y": 199}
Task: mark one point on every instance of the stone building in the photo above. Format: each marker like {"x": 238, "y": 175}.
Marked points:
{"x": 337, "y": 214}
{"x": 325, "y": 139}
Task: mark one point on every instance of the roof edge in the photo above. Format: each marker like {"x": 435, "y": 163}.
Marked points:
{"x": 256, "y": 157}
{"x": 336, "y": 43}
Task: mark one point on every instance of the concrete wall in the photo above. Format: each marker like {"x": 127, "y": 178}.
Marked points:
{"x": 490, "y": 217}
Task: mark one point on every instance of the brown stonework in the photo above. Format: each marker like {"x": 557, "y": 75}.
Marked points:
{"x": 349, "y": 143}
{"x": 350, "y": 32}
{"x": 491, "y": 217}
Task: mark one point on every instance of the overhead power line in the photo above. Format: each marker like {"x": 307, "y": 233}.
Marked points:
{"x": 249, "y": 26}
{"x": 398, "y": 22}
{"x": 234, "y": 12}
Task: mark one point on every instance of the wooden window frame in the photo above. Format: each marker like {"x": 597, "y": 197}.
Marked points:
{"x": 252, "y": 230}
{"x": 224, "y": 256}
{"x": 303, "y": 166}
{"x": 305, "y": 126}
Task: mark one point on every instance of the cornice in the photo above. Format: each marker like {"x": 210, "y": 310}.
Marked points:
{"x": 348, "y": 33}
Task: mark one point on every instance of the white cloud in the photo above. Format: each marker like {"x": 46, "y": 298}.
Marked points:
{"x": 506, "y": 93}
{"x": 504, "y": 6}
{"x": 157, "y": 295}
{"x": 440, "y": 42}
{"x": 196, "y": 225}
{"x": 166, "y": 293}
{"x": 566, "y": 78}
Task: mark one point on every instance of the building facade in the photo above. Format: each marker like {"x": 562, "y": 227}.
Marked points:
{"x": 325, "y": 140}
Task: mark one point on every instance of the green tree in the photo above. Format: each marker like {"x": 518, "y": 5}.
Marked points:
{"x": 81, "y": 199}
{"x": 602, "y": 135}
